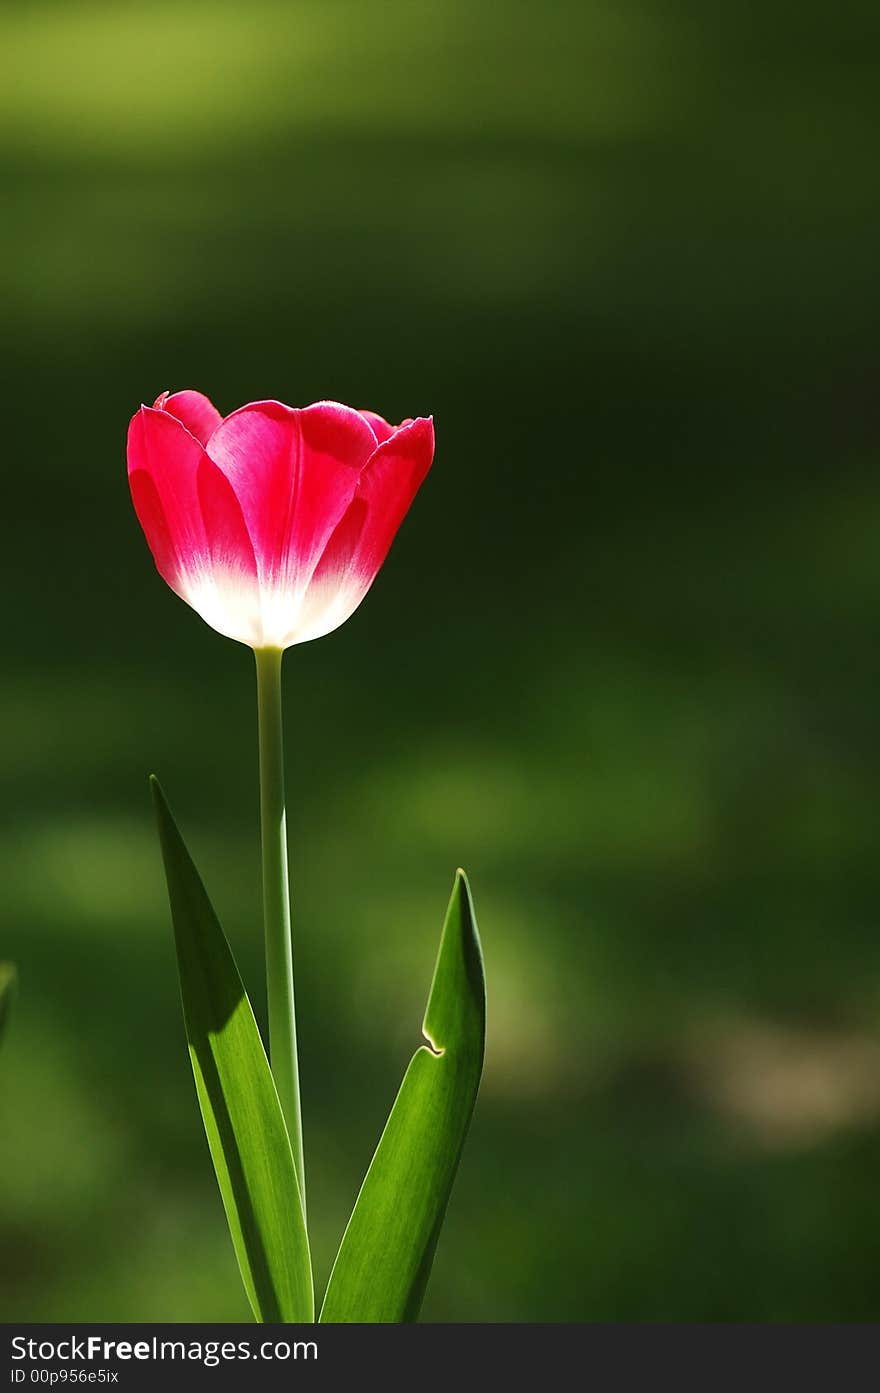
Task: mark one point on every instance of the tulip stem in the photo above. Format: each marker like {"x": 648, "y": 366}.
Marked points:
{"x": 276, "y": 903}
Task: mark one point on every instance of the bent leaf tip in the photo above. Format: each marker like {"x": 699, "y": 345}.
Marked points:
{"x": 459, "y": 984}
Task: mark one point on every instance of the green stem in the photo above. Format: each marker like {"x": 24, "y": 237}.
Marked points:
{"x": 276, "y": 902}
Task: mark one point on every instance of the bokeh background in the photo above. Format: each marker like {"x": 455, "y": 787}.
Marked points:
{"x": 622, "y": 662}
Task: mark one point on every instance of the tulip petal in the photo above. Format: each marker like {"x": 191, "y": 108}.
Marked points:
{"x": 227, "y": 594}
{"x": 294, "y": 472}
{"x": 360, "y": 543}
{"x": 163, "y": 460}
{"x": 194, "y": 525}
{"x": 225, "y": 531}
{"x": 196, "y": 411}
{"x": 382, "y": 429}
{"x": 156, "y": 529}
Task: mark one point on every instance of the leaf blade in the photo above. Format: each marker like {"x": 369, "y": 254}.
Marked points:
{"x": 244, "y": 1125}
{"x": 387, "y": 1250}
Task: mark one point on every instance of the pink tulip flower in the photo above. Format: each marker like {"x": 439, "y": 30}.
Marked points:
{"x": 273, "y": 522}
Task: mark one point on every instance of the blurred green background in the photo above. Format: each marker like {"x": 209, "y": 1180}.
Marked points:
{"x": 621, "y": 664}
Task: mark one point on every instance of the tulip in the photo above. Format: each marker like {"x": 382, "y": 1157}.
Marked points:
{"x": 272, "y": 523}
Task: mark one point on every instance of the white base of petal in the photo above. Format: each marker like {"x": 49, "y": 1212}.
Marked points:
{"x": 268, "y": 616}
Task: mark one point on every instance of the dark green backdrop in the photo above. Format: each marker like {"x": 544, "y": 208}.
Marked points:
{"x": 622, "y": 663}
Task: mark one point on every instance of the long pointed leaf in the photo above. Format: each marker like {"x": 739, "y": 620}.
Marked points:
{"x": 387, "y": 1250}
{"x": 245, "y": 1127}
{"x": 7, "y": 991}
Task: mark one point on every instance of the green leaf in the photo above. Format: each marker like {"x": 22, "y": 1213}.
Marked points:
{"x": 245, "y": 1127}
{"x": 8, "y": 980}
{"x": 387, "y": 1250}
